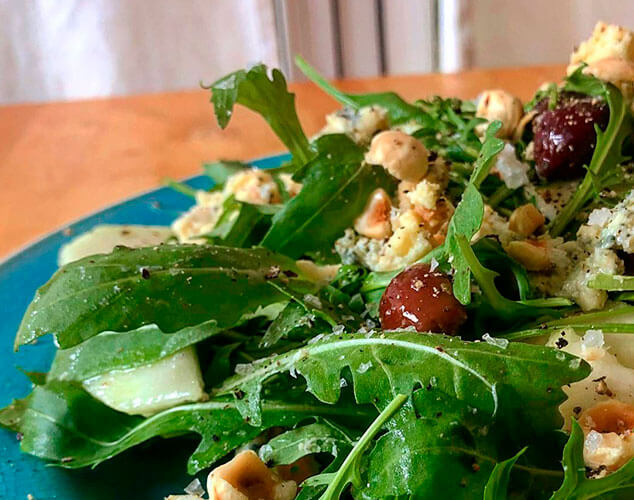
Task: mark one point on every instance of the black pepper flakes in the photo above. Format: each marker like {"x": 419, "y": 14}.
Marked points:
{"x": 561, "y": 343}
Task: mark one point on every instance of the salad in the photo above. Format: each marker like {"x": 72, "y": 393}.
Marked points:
{"x": 430, "y": 298}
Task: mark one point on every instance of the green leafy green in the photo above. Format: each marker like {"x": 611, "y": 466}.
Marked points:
{"x": 349, "y": 472}
{"x": 441, "y": 446}
{"x": 467, "y": 218}
{"x": 336, "y": 187}
{"x": 498, "y": 483}
{"x": 180, "y": 187}
{"x": 505, "y": 309}
{"x": 398, "y": 109}
{"x": 118, "y": 351}
{"x": 296, "y": 321}
{"x": 612, "y": 283}
{"x": 490, "y": 253}
{"x": 172, "y": 286}
{"x": 608, "y": 152}
{"x": 319, "y": 437}
{"x": 270, "y": 98}
{"x": 241, "y": 224}
{"x": 220, "y": 171}
{"x": 448, "y": 128}
{"x": 81, "y": 431}
{"x": 577, "y": 486}
{"x": 393, "y": 363}
{"x": 495, "y": 388}
{"x": 613, "y": 319}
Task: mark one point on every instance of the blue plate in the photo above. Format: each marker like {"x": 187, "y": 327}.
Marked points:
{"x": 151, "y": 471}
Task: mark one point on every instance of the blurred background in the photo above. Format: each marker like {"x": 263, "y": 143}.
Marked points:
{"x": 70, "y": 49}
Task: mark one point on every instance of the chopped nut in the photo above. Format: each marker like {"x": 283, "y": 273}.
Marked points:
{"x": 525, "y": 220}
{"x": 609, "y": 439}
{"x": 402, "y": 155}
{"x": 532, "y": 254}
{"x": 499, "y": 105}
{"x": 374, "y": 222}
{"x": 246, "y": 477}
{"x": 253, "y": 186}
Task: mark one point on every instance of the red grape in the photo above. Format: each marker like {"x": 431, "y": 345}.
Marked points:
{"x": 421, "y": 298}
{"x": 565, "y": 136}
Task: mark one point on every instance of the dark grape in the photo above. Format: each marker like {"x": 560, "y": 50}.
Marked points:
{"x": 421, "y": 298}
{"x": 565, "y": 136}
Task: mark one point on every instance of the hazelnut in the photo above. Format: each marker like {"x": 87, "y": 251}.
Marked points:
{"x": 608, "y": 429}
{"x": 402, "y": 155}
{"x": 534, "y": 255}
{"x": 499, "y": 105}
{"x": 246, "y": 477}
{"x": 525, "y": 220}
{"x": 374, "y": 222}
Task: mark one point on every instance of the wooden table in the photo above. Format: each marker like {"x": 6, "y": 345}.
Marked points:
{"x": 60, "y": 161}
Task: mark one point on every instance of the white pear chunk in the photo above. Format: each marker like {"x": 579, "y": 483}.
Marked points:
{"x": 148, "y": 389}
{"x": 102, "y": 239}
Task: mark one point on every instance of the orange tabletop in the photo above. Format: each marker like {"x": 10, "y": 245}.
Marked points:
{"x": 60, "y": 161}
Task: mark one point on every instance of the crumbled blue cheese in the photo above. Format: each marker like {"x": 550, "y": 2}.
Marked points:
{"x": 618, "y": 228}
{"x": 512, "y": 171}
{"x": 200, "y": 219}
{"x": 360, "y": 125}
{"x": 552, "y": 198}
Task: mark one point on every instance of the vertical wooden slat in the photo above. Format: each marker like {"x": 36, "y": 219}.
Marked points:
{"x": 410, "y": 35}
{"x": 306, "y": 27}
{"x": 455, "y": 18}
{"x": 360, "y": 35}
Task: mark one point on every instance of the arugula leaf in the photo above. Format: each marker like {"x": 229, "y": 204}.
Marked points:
{"x": 551, "y": 92}
{"x": 241, "y": 224}
{"x": 349, "y": 472}
{"x": 270, "y": 98}
{"x": 172, "y": 286}
{"x": 612, "y": 283}
{"x": 80, "y": 431}
{"x": 504, "y": 309}
{"x": 498, "y": 483}
{"x": 337, "y": 185}
{"x": 577, "y": 486}
{"x": 220, "y": 171}
{"x": 319, "y": 437}
{"x": 180, "y": 187}
{"x": 118, "y": 351}
{"x": 438, "y": 446}
{"x": 490, "y": 253}
{"x": 608, "y": 151}
{"x": 467, "y": 218}
{"x": 294, "y": 322}
{"x": 615, "y": 319}
{"x": 397, "y": 108}
{"x": 448, "y": 128}
{"x": 395, "y": 362}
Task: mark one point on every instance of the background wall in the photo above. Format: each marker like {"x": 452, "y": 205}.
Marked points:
{"x": 68, "y": 49}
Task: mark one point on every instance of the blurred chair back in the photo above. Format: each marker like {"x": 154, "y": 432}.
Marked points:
{"x": 69, "y": 49}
